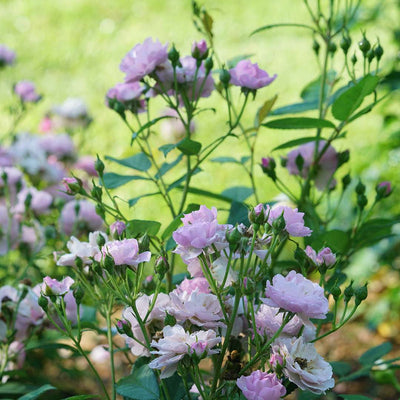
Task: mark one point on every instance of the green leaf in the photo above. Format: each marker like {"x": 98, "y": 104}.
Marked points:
{"x": 138, "y": 161}
{"x": 175, "y": 386}
{"x": 296, "y": 108}
{"x": 354, "y": 397}
{"x": 189, "y": 147}
{"x": 344, "y": 106}
{"x": 113, "y": 180}
{"x": 371, "y": 355}
{"x": 238, "y": 193}
{"x": 296, "y": 142}
{"x": 336, "y": 239}
{"x": 134, "y": 200}
{"x": 36, "y": 393}
{"x": 224, "y": 160}
{"x": 182, "y": 179}
{"x": 165, "y": 167}
{"x": 136, "y": 227}
{"x": 266, "y": 27}
{"x": 140, "y": 385}
{"x": 147, "y": 125}
{"x": 166, "y": 148}
{"x": 299, "y": 123}
{"x": 264, "y": 110}
{"x": 340, "y": 368}
{"x": 238, "y": 214}
{"x": 206, "y": 193}
{"x": 173, "y": 226}
{"x": 83, "y": 397}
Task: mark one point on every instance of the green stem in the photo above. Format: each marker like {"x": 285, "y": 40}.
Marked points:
{"x": 111, "y": 348}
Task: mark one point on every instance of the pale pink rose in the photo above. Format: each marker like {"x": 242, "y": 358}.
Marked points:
{"x": 324, "y": 257}
{"x": 125, "y": 252}
{"x": 79, "y": 216}
{"x": 56, "y": 288}
{"x": 8, "y": 293}
{"x": 45, "y": 125}
{"x": 126, "y": 92}
{"x": 194, "y": 268}
{"x": 99, "y": 355}
{"x": 201, "y": 309}
{"x": 293, "y": 219}
{"x": 143, "y": 59}
{"x": 268, "y": 321}
{"x": 189, "y": 285}
{"x": 250, "y": 76}
{"x": 297, "y": 294}
{"x": 26, "y": 91}
{"x": 260, "y": 385}
{"x": 86, "y": 251}
{"x": 303, "y": 365}
{"x": 327, "y": 165}
{"x": 154, "y": 319}
{"x": 33, "y": 236}
{"x": 172, "y": 129}
{"x": 176, "y": 343}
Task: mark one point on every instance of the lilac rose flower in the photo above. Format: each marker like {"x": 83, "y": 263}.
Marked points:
{"x": 27, "y": 92}
{"x": 260, "y": 385}
{"x": 126, "y": 92}
{"x": 250, "y": 76}
{"x": 327, "y": 165}
{"x": 7, "y": 56}
{"x": 297, "y": 294}
{"x": 325, "y": 256}
{"x": 56, "y": 288}
{"x": 199, "y": 49}
{"x": 143, "y": 59}
{"x": 125, "y": 252}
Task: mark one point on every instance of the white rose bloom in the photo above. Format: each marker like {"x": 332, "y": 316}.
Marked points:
{"x": 304, "y": 366}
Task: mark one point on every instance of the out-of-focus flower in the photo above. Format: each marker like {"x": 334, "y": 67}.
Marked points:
{"x": 72, "y": 113}
{"x": 325, "y": 256}
{"x": 8, "y": 230}
{"x": 26, "y": 91}
{"x": 79, "y": 216}
{"x": 56, "y": 288}
{"x": 143, "y": 59}
{"x": 176, "y": 343}
{"x": 40, "y": 201}
{"x": 172, "y": 129}
{"x": 297, "y": 294}
{"x": 7, "y": 56}
{"x": 99, "y": 355}
{"x": 260, "y": 385}
{"x": 125, "y": 252}
{"x": 86, "y": 163}
{"x": 250, "y": 76}
{"x": 303, "y": 365}
{"x": 59, "y": 145}
{"x": 294, "y": 223}
{"x": 327, "y": 164}
{"x": 45, "y": 125}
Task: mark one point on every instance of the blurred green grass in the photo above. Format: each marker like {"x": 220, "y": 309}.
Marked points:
{"x": 72, "y": 48}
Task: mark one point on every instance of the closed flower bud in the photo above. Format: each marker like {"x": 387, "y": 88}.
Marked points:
{"x": 169, "y": 320}
{"x": 208, "y": 64}
{"x": 268, "y": 166}
{"x": 362, "y": 201}
{"x": 72, "y": 185}
{"x": 284, "y": 162}
{"x": 364, "y": 45}
{"x": 96, "y": 193}
{"x": 78, "y": 262}
{"x": 124, "y": 327}
{"x": 378, "y": 52}
{"x": 360, "y": 188}
{"x": 249, "y": 287}
{"x": 348, "y": 292}
{"x": 343, "y": 157}
{"x": 99, "y": 166}
{"x": 224, "y": 77}
{"x": 332, "y": 48}
{"x": 173, "y": 56}
{"x": 279, "y": 224}
{"x": 370, "y": 55}
{"x": 200, "y": 50}
{"x": 346, "y": 180}
{"x": 345, "y": 44}
{"x": 28, "y": 200}
{"x": 336, "y": 292}
{"x": 257, "y": 215}
{"x": 354, "y": 59}
{"x": 300, "y": 255}
{"x": 78, "y": 294}
{"x": 109, "y": 263}
{"x": 361, "y": 294}
{"x": 383, "y": 189}
{"x": 299, "y": 162}
{"x": 233, "y": 236}
{"x": 101, "y": 241}
{"x": 144, "y": 243}
{"x": 316, "y": 47}
{"x": 100, "y": 211}
{"x": 43, "y": 302}
{"x": 161, "y": 267}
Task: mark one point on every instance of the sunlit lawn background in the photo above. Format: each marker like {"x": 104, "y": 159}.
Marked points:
{"x": 72, "y": 48}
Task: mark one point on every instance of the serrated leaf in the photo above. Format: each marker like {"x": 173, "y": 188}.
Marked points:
{"x": 189, "y": 147}
{"x": 296, "y": 142}
{"x": 139, "y": 161}
{"x": 137, "y": 227}
{"x": 299, "y": 123}
{"x": 36, "y": 393}
{"x": 371, "y": 355}
{"x": 140, "y": 385}
{"x": 264, "y": 110}
{"x": 113, "y": 180}
{"x": 344, "y": 106}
